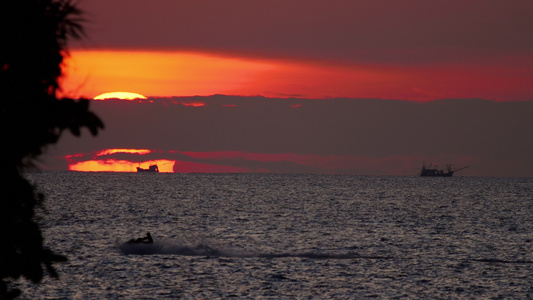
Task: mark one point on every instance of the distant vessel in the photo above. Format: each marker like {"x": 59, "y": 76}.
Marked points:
{"x": 430, "y": 171}
{"x": 151, "y": 169}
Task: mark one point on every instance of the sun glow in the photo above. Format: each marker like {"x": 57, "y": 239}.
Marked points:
{"x": 157, "y": 73}
{"x": 106, "y": 160}
{"x": 114, "y": 165}
{"x": 119, "y": 95}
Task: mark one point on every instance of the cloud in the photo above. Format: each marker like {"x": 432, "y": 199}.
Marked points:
{"x": 390, "y": 31}
{"x": 352, "y": 136}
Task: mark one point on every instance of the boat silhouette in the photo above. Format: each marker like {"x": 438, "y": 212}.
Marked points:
{"x": 151, "y": 169}
{"x": 430, "y": 171}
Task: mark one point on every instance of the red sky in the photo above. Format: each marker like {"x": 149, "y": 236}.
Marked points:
{"x": 309, "y": 49}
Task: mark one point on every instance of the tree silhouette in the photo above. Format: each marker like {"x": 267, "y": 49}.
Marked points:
{"x": 33, "y": 37}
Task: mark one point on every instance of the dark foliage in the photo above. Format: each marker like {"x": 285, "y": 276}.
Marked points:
{"x": 33, "y": 36}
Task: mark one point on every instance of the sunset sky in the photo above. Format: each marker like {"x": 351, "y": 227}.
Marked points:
{"x": 305, "y": 86}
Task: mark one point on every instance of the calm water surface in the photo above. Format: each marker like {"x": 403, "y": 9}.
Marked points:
{"x": 287, "y": 236}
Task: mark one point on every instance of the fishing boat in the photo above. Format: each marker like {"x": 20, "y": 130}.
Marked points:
{"x": 434, "y": 171}
{"x": 151, "y": 169}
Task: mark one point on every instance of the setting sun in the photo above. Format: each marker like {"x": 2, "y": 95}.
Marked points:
{"x": 106, "y": 161}
{"x": 119, "y": 95}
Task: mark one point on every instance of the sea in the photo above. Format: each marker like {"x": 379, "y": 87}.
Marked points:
{"x": 269, "y": 236}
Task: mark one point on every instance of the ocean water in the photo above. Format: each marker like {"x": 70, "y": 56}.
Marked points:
{"x": 260, "y": 236}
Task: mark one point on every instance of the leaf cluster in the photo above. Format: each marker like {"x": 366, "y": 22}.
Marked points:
{"x": 33, "y": 35}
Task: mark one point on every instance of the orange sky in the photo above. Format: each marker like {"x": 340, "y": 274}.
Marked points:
{"x": 89, "y": 73}
{"x": 156, "y": 73}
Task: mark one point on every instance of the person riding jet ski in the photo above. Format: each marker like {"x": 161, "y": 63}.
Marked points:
{"x": 142, "y": 240}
